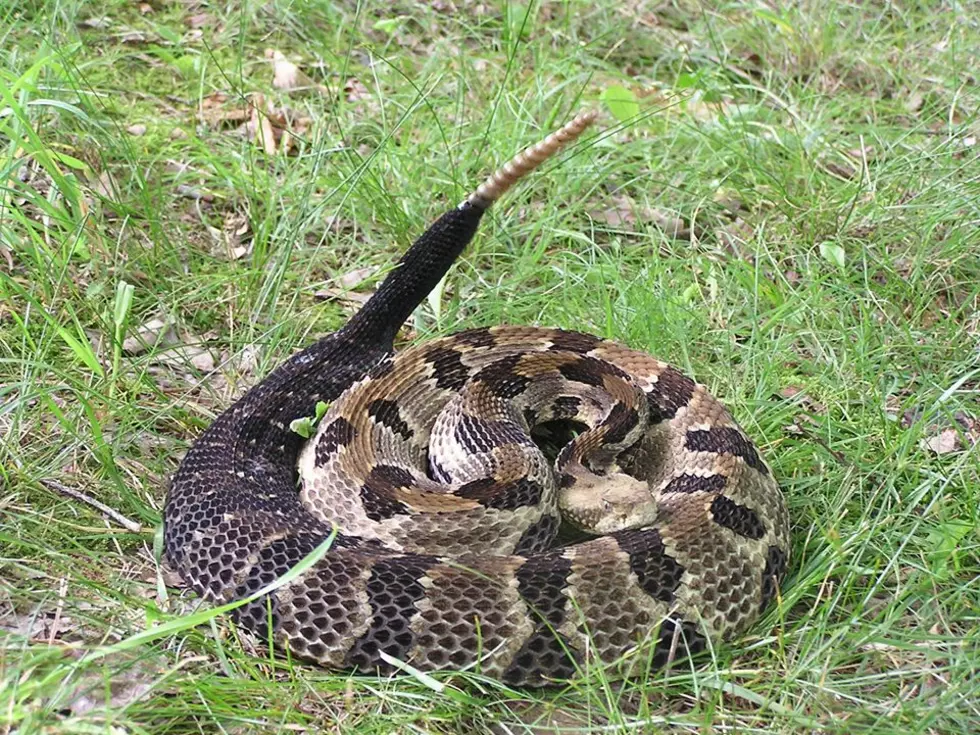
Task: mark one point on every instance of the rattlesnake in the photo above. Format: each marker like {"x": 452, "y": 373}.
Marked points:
{"x": 427, "y": 467}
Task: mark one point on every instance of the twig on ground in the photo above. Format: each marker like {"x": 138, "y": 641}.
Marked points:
{"x": 102, "y": 507}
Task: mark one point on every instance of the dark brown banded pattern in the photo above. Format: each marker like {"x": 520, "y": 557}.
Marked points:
{"x": 546, "y": 654}
{"x": 476, "y": 338}
{"x": 538, "y": 536}
{"x": 620, "y": 422}
{"x": 657, "y": 572}
{"x": 378, "y": 494}
{"x": 694, "y": 572}
{"x": 579, "y": 342}
{"x": 725, "y": 440}
{"x": 589, "y": 371}
{"x": 772, "y": 575}
{"x": 484, "y": 436}
{"x": 338, "y": 433}
{"x": 394, "y": 588}
{"x": 743, "y": 521}
{"x": 448, "y": 369}
{"x": 387, "y": 414}
{"x": 522, "y": 493}
{"x": 566, "y": 407}
{"x": 672, "y": 391}
{"x": 504, "y": 378}
{"x": 696, "y": 484}
{"x": 676, "y": 639}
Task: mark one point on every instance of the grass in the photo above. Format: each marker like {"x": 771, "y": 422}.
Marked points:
{"x": 825, "y": 157}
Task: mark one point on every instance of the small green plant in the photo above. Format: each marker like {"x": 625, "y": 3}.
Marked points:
{"x": 307, "y": 425}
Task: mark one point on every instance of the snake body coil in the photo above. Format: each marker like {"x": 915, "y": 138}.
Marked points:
{"x": 429, "y": 463}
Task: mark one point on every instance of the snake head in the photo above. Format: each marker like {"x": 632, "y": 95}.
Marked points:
{"x": 602, "y": 504}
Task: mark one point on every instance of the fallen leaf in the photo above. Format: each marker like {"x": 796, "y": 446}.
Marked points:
{"x": 791, "y": 392}
{"x": 914, "y": 101}
{"x": 841, "y": 169}
{"x": 910, "y": 416}
{"x": 236, "y": 373}
{"x": 215, "y": 113}
{"x": 671, "y": 224}
{"x": 105, "y": 186}
{"x": 969, "y": 423}
{"x": 734, "y": 236}
{"x": 170, "y": 576}
{"x": 231, "y": 235}
{"x": 183, "y": 356}
{"x": 342, "y": 296}
{"x": 356, "y": 277}
{"x": 7, "y": 254}
{"x": 95, "y": 692}
{"x": 33, "y": 627}
{"x": 354, "y": 90}
{"x": 97, "y": 23}
{"x": 132, "y": 37}
{"x": 862, "y": 154}
{"x": 622, "y": 212}
{"x": 260, "y": 128}
{"x": 198, "y": 20}
{"x": 626, "y": 212}
{"x": 247, "y": 359}
{"x": 893, "y": 405}
{"x": 153, "y": 333}
{"x": 287, "y": 76}
{"x": 945, "y": 442}
{"x": 274, "y": 129}
{"x": 191, "y": 192}
{"x": 729, "y": 199}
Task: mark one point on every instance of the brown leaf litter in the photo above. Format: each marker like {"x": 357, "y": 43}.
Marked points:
{"x": 622, "y": 211}
{"x": 942, "y": 435}
{"x": 288, "y": 77}
{"x": 272, "y": 128}
{"x": 234, "y": 239}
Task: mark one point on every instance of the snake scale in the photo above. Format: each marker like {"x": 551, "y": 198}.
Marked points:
{"x": 429, "y": 463}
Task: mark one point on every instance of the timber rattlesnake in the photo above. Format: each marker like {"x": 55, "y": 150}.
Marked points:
{"x": 447, "y": 509}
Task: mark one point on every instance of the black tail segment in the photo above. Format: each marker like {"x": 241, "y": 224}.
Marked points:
{"x": 416, "y": 274}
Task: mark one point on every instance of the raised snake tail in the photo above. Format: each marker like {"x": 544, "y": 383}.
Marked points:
{"x": 434, "y": 252}
{"x": 527, "y": 160}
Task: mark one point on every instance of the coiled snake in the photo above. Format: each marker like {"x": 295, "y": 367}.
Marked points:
{"x": 447, "y": 509}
